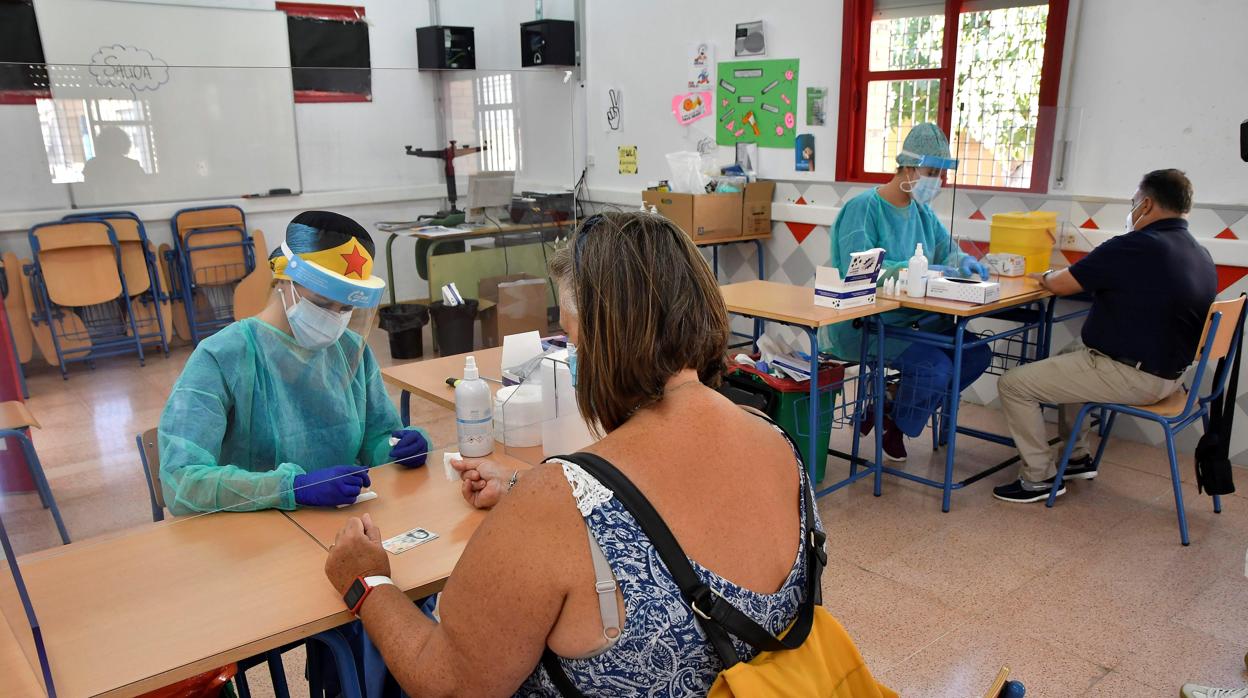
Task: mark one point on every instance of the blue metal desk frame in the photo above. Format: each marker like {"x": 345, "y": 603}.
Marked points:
{"x": 813, "y": 448}
{"x": 948, "y": 428}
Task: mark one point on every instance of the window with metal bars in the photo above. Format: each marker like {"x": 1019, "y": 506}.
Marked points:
{"x": 496, "y": 123}
{"x": 72, "y": 129}
{"x": 985, "y": 71}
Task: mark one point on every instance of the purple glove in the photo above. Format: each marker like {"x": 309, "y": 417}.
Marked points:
{"x": 412, "y": 449}
{"x": 330, "y": 487}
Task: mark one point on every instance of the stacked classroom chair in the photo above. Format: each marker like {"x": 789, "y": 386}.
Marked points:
{"x": 212, "y": 253}
{"x": 85, "y": 297}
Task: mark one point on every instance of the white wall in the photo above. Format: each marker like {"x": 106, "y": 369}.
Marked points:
{"x": 642, "y": 46}
{"x": 1159, "y": 85}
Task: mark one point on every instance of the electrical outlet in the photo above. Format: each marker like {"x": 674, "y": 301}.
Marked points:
{"x": 1068, "y": 240}
{"x": 589, "y": 160}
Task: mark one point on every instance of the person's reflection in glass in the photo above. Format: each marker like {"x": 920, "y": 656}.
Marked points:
{"x": 112, "y": 172}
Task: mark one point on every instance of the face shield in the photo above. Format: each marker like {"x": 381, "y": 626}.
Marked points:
{"x": 330, "y": 313}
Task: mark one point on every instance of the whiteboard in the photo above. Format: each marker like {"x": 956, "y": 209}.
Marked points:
{"x": 202, "y": 94}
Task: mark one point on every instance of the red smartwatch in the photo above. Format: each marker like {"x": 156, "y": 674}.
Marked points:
{"x": 361, "y": 588}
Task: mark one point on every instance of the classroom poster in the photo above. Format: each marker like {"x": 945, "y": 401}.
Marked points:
{"x": 757, "y": 102}
{"x": 816, "y": 106}
{"x": 804, "y": 153}
{"x": 701, "y": 58}
{"x": 628, "y": 159}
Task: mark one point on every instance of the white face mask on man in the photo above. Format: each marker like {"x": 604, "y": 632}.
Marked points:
{"x": 1130, "y": 221}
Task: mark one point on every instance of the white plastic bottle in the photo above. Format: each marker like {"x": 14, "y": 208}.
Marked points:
{"x": 474, "y": 413}
{"x": 916, "y": 280}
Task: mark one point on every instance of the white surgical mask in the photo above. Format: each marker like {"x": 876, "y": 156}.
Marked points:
{"x": 925, "y": 189}
{"x": 1131, "y": 223}
{"x": 313, "y": 326}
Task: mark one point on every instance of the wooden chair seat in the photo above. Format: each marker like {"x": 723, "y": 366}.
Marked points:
{"x": 1167, "y": 407}
{"x": 15, "y": 415}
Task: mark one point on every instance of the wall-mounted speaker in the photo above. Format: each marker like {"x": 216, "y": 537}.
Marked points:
{"x": 445, "y": 48}
{"x": 548, "y": 42}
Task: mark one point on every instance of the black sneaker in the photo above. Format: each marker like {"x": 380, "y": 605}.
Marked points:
{"x": 1080, "y": 469}
{"x": 1015, "y": 492}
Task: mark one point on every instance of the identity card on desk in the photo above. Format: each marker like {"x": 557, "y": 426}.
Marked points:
{"x": 408, "y": 540}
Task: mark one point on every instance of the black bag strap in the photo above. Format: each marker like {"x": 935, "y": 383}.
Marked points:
{"x": 717, "y": 616}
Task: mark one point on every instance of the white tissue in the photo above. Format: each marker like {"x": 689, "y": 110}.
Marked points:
{"x": 449, "y": 470}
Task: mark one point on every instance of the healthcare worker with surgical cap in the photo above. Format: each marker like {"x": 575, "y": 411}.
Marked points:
{"x": 897, "y": 217}
{"x": 287, "y": 408}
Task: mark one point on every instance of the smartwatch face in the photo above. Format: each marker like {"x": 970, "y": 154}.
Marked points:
{"x": 355, "y": 594}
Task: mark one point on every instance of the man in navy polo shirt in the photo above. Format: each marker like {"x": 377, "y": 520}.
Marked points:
{"x": 1151, "y": 290}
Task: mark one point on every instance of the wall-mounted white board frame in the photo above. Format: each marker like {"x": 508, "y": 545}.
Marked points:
{"x": 214, "y": 83}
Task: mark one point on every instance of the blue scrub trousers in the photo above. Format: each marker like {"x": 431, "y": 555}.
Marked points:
{"x": 925, "y": 375}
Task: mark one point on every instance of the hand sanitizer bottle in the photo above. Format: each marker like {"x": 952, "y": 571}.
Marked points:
{"x": 474, "y": 413}
{"x": 916, "y": 280}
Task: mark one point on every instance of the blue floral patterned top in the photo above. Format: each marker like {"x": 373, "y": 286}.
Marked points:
{"x": 662, "y": 650}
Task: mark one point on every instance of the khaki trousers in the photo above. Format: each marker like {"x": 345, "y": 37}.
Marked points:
{"x": 1073, "y": 377}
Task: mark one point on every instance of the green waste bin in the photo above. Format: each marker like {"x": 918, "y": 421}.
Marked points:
{"x": 791, "y": 405}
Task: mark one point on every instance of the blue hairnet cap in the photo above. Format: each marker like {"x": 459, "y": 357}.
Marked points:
{"x": 926, "y": 146}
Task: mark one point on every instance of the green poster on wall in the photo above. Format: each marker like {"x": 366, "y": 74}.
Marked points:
{"x": 756, "y": 102}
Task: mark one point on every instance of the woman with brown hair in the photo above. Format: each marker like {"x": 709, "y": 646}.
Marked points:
{"x": 651, "y": 330}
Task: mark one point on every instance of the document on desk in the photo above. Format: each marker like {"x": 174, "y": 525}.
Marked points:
{"x": 406, "y": 541}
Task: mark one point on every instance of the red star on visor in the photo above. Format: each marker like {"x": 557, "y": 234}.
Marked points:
{"x": 355, "y": 262}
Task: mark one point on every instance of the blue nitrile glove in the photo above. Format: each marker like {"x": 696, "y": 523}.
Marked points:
{"x": 330, "y": 487}
{"x": 945, "y": 271}
{"x": 412, "y": 449}
{"x": 971, "y": 266}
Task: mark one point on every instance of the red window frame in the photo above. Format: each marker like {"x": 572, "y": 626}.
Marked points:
{"x": 343, "y": 13}
{"x": 856, "y": 75}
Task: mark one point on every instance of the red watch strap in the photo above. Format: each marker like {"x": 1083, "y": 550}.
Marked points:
{"x": 367, "y": 590}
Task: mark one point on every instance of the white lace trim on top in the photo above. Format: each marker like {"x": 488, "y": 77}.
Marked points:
{"x": 588, "y": 492}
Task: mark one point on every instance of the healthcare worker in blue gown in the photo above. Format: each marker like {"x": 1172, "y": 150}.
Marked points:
{"x": 287, "y": 408}
{"x": 898, "y": 216}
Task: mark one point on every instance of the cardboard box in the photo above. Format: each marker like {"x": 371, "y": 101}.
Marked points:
{"x": 706, "y": 217}
{"x": 756, "y": 208}
{"x": 520, "y": 306}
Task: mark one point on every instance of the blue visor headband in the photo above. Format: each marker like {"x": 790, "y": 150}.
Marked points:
{"x": 930, "y": 161}
{"x": 364, "y": 293}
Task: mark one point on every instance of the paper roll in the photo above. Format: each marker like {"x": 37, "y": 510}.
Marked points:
{"x": 518, "y": 413}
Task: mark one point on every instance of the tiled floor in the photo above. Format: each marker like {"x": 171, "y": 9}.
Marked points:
{"x": 1092, "y": 598}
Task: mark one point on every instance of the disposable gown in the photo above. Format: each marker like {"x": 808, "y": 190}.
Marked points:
{"x": 868, "y": 221}
{"x": 253, "y": 409}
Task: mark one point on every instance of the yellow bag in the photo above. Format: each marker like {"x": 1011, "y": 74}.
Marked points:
{"x": 827, "y": 664}
{"x": 813, "y": 657}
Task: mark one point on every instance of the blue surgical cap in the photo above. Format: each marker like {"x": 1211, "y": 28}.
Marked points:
{"x": 926, "y": 146}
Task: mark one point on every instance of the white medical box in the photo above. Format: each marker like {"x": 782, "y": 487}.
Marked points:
{"x": 965, "y": 290}
{"x": 1006, "y": 264}
{"x": 858, "y": 286}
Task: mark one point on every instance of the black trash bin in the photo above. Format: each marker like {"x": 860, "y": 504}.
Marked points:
{"x": 453, "y": 326}
{"x": 405, "y": 322}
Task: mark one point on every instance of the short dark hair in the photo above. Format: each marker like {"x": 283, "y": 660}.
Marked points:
{"x": 1169, "y": 189}
{"x": 648, "y": 306}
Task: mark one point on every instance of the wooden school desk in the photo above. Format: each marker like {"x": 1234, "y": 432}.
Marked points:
{"x": 131, "y": 612}
{"x": 1023, "y": 301}
{"x": 427, "y": 378}
{"x": 18, "y": 677}
{"x": 795, "y": 306}
{"x": 407, "y": 499}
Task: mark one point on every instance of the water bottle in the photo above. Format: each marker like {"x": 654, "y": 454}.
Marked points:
{"x": 916, "y": 280}
{"x": 474, "y": 413}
